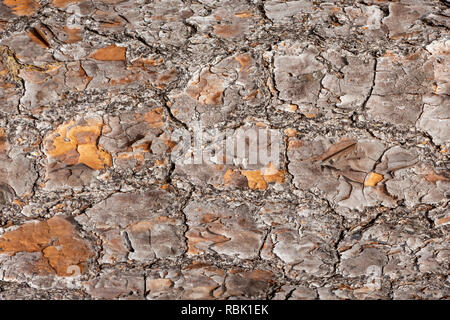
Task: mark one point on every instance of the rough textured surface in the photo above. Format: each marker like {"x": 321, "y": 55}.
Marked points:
{"x": 94, "y": 204}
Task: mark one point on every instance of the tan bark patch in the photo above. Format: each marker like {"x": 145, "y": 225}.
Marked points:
{"x": 272, "y": 174}
{"x": 244, "y": 14}
{"x": 74, "y": 143}
{"x": 155, "y": 118}
{"x": 259, "y": 275}
{"x": 110, "y": 53}
{"x": 165, "y": 78}
{"x": 255, "y": 179}
{"x": 443, "y": 221}
{"x": 295, "y": 144}
{"x": 73, "y": 34}
{"x": 372, "y": 179}
{"x": 227, "y": 30}
{"x": 434, "y": 177}
{"x": 3, "y": 141}
{"x": 258, "y": 179}
{"x": 63, "y": 3}
{"x": 22, "y": 7}
{"x": 144, "y": 63}
{"x": 158, "y": 284}
{"x": 230, "y": 176}
{"x": 55, "y": 238}
{"x": 290, "y": 132}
